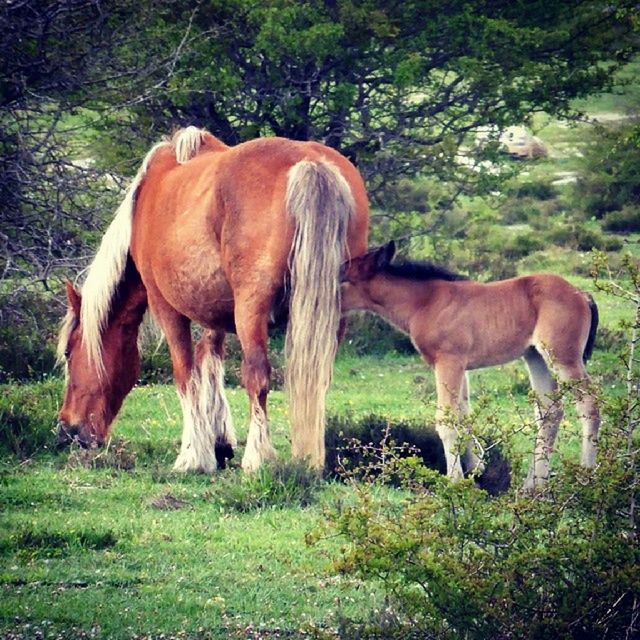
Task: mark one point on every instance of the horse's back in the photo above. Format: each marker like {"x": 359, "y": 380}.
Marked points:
{"x": 207, "y": 227}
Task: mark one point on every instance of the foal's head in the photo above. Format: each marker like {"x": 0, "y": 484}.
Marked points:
{"x": 95, "y": 390}
{"x": 358, "y": 273}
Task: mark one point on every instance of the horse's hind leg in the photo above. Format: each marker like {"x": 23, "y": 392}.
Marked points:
{"x": 548, "y": 412}
{"x": 210, "y": 366}
{"x": 251, "y": 316}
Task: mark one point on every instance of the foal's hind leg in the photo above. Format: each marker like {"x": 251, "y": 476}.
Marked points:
{"x": 214, "y": 405}
{"x": 548, "y": 412}
{"x": 586, "y": 407}
{"x": 251, "y": 315}
{"x": 472, "y": 462}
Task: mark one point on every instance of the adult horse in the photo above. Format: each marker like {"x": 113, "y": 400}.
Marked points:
{"x": 231, "y": 238}
{"x": 457, "y": 324}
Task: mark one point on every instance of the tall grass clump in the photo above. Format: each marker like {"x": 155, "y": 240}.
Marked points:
{"x": 27, "y": 417}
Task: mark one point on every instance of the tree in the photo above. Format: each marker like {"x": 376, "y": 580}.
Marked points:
{"x": 57, "y": 57}
{"x": 396, "y": 86}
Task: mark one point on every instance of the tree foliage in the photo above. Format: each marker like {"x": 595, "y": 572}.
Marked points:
{"x": 395, "y": 86}
{"x": 88, "y": 85}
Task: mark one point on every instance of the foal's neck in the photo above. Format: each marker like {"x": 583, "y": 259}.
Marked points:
{"x": 397, "y": 299}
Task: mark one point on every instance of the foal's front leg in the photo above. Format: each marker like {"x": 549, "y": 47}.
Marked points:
{"x": 449, "y": 378}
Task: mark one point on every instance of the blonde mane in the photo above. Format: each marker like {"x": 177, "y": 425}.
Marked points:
{"x": 107, "y": 268}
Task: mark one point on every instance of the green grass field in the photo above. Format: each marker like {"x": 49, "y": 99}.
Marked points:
{"x": 119, "y": 546}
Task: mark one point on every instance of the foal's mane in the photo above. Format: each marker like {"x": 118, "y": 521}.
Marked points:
{"x": 421, "y": 271}
{"x": 107, "y": 270}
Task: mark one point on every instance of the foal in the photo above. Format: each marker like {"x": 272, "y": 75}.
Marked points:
{"x": 458, "y": 324}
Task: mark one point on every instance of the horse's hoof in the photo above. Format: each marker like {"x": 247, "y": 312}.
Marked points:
{"x": 223, "y": 452}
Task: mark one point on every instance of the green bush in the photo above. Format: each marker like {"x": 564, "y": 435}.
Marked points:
{"x": 353, "y": 445}
{"x": 519, "y": 212}
{"x": 28, "y": 416}
{"x": 577, "y": 236}
{"x": 513, "y": 245}
{"x": 535, "y": 190}
{"x": 611, "y": 179}
{"x": 367, "y": 334}
{"x": 627, "y": 220}
{"x": 347, "y": 440}
{"x": 457, "y": 563}
{"x": 28, "y": 330}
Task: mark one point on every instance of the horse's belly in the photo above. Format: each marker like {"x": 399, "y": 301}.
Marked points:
{"x": 202, "y": 295}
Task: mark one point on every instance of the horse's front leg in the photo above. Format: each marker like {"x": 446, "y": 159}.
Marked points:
{"x": 251, "y": 326}
{"x": 197, "y": 378}
{"x": 449, "y": 379}
{"x": 212, "y": 399}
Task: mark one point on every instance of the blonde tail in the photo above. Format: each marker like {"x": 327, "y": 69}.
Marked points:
{"x": 320, "y": 201}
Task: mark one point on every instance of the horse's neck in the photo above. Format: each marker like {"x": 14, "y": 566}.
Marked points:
{"x": 397, "y": 299}
{"x": 130, "y": 303}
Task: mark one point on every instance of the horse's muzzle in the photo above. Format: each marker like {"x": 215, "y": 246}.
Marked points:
{"x": 68, "y": 434}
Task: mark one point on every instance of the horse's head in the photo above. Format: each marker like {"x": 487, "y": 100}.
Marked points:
{"x": 94, "y": 391}
{"x": 358, "y": 273}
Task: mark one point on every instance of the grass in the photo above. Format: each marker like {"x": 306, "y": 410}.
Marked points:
{"x": 135, "y": 549}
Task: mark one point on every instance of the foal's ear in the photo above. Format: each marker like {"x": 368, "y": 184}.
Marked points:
{"x": 384, "y": 255}
{"x": 73, "y": 298}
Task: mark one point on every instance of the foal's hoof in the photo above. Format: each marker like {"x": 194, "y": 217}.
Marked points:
{"x": 223, "y": 452}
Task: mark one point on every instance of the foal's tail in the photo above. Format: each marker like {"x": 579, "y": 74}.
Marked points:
{"x": 320, "y": 201}
{"x": 588, "y": 348}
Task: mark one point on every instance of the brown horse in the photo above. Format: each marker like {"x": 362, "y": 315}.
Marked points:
{"x": 457, "y": 324}
{"x": 231, "y": 238}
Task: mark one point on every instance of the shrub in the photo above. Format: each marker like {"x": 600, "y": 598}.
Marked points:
{"x": 519, "y": 212}
{"x": 28, "y": 328}
{"x": 579, "y": 237}
{"x": 369, "y": 334}
{"x": 536, "y": 190}
{"x": 611, "y": 179}
{"x": 357, "y": 445}
{"x": 627, "y": 220}
{"x": 347, "y": 441}
{"x": 455, "y": 563}
{"x": 27, "y": 417}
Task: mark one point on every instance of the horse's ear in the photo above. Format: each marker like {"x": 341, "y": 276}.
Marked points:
{"x": 384, "y": 255}
{"x": 73, "y": 298}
